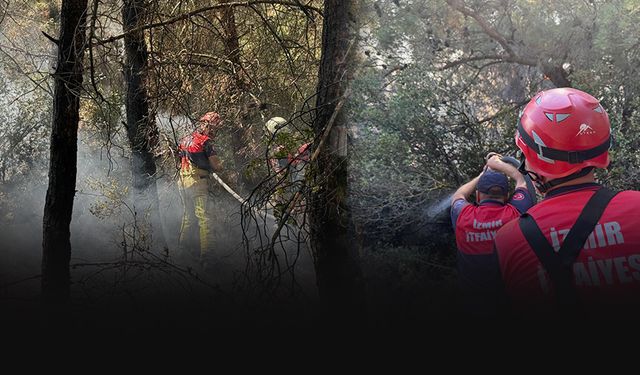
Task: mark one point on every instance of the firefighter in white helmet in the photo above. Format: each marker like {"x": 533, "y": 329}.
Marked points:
{"x": 287, "y": 159}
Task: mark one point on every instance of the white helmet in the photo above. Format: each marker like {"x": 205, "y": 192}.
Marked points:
{"x": 275, "y": 123}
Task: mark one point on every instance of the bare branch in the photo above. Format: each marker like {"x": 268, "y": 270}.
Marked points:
{"x": 54, "y": 40}
{"x": 490, "y": 31}
{"x": 92, "y": 33}
{"x": 465, "y": 60}
{"x": 556, "y": 74}
{"x": 203, "y": 10}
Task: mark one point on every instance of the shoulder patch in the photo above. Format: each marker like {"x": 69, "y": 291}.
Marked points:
{"x": 518, "y": 196}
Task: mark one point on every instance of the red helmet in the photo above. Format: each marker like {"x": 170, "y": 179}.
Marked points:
{"x": 210, "y": 117}
{"x": 563, "y": 130}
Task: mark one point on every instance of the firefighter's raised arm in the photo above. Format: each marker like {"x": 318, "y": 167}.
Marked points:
{"x": 496, "y": 163}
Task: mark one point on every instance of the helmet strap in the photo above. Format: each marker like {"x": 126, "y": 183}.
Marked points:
{"x": 544, "y": 187}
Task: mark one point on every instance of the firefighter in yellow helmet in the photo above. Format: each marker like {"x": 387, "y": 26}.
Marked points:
{"x": 198, "y": 158}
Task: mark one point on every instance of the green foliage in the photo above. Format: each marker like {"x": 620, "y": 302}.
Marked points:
{"x": 24, "y": 134}
{"x": 112, "y": 200}
{"x": 438, "y": 90}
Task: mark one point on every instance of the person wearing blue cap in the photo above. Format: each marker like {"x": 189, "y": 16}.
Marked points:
{"x": 476, "y": 223}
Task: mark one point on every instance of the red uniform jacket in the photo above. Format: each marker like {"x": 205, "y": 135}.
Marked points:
{"x": 195, "y": 150}
{"x": 303, "y": 155}
{"x": 607, "y": 271}
{"x": 475, "y": 230}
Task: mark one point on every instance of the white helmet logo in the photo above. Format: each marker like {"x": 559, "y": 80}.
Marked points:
{"x": 585, "y": 129}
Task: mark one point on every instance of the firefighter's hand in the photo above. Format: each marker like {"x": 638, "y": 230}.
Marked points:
{"x": 486, "y": 161}
{"x": 497, "y": 164}
{"x": 490, "y": 155}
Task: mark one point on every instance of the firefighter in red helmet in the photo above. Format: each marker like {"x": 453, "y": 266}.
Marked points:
{"x": 577, "y": 252}
{"x": 198, "y": 158}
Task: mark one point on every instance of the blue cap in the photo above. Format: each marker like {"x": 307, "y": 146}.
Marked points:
{"x": 490, "y": 179}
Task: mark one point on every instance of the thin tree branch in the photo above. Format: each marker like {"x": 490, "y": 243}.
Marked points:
{"x": 54, "y": 40}
{"x": 490, "y": 31}
{"x": 202, "y": 10}
{"x": 556, "y": 74}
{"x": 92, "y": 35}
{"x": 465, "y": 60}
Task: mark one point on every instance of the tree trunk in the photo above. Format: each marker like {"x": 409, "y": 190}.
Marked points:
{"x": 232, "y": 44}
{"x": 56, "y": 244}
{"x": 240, "y": 136}
{"x": 141, "y": 128}
{"x": 339, "y": 276}
{"x": 556, "y": 74}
